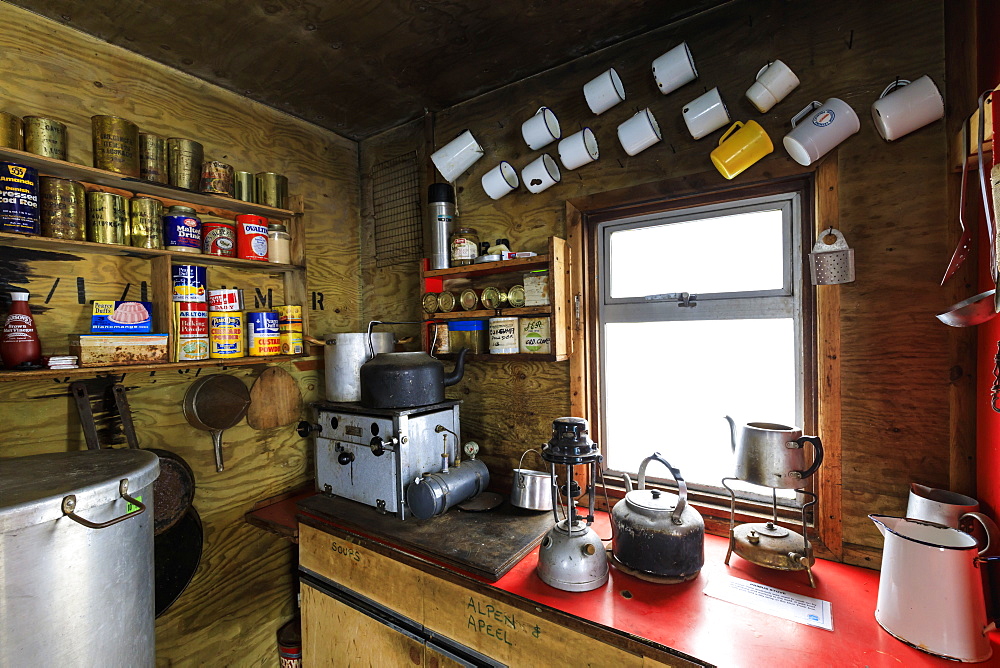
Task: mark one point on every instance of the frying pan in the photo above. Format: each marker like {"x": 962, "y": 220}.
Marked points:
{"x": 176, "y": 555}
{"x": 173, "y": 490}
{"x": 215, "y": 403}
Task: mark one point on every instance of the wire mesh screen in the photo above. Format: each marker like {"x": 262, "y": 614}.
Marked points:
{"x": 396, "y": 203}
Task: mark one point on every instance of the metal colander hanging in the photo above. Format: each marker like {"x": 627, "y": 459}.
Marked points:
{"x": 831, "y": 264}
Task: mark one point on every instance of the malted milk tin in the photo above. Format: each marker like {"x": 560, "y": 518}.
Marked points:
{"x": 225, "y": 334}
{"x": 11, "y": 131}
{"x": 503, "y": 336}
{"x": 182, "y": 228}
{"x": 146, "y": 222}
{"x": 107, "y": 218}
{"x": 19, "y": 205}
{"x": 262, "y": 333}
{"x": 116, "y": 144}
{"x": 189, "y": 283}
{"x": 45, "y": 137}
{"x": 535, "y": 335}
{"x": 218, "y": 237}
{"x": 152, "y": 158}
{"x": 184, "y": 159}
{"x": 64, "y": 208}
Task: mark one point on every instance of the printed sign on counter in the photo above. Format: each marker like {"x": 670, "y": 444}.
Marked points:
{"x": 771, "y": 601}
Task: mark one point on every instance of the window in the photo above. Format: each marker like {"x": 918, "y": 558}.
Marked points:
{"x": 700, "y": 315}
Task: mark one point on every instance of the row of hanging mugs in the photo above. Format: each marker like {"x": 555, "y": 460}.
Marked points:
{"x": 903, "y": 107}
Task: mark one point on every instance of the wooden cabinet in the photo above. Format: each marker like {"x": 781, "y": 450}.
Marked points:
{"x": 264, "y": 279}
{"x": 503, "y": 275}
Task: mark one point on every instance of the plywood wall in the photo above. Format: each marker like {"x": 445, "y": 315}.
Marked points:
{"x": 244, "y": 588}
{"x": 898, "y": 363}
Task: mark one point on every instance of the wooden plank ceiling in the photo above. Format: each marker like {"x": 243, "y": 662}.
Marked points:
{"x": 358, "y": 67}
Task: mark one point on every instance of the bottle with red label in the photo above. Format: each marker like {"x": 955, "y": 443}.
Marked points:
{"x": 19, "y": 344}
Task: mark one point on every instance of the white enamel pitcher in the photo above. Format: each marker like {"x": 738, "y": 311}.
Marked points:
{"x": 930, "y": 593}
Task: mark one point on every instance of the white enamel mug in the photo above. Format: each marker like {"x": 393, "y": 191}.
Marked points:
{"x": 500, "y": 180}
{"x": 540, "y": 174}
{"x": 578, "y": 149}
{"x": 541, "y": 129}
{"x": 457, "y": 156}
{"x": 818, "y": 128}
{"x": 674, "y": 69}
{"x": 604, "y": 91}
{"x": 705, "y": 114}
{"x": 906, "y": 106}
{"x": 639, "y": 132}
{"x": 774, "y": 82}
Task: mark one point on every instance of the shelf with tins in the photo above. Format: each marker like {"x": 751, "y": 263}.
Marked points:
{"x": 292, "y": 275}
{"x": 556, "y": 262}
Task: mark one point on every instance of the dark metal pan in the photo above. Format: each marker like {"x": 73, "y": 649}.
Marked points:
{"x": 176, "y": 555}
{"x": 215, "y": 403}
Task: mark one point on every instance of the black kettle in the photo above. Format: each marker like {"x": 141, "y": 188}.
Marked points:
{"x": 406, "y": 380}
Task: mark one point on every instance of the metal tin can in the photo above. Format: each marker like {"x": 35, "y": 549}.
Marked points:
{"x": 245, "y": 186}
{"x": 468, "y": 299}
{"x": 189, "y": 283}
{"x": 469, "y": 334}
{"x": 262, "y": 333}
{"x": 439, "y": 338}
{"x": 184, "y": 158}
{"x": 503, "y": 334}
{"x": 251, "y": 237}
{"x": 225, "y": 334}
{"x": 191, "y": 326}
{"x": 11, "y": 131}
{"x": 45, "y": 136}
{"x": 64, "y": 208}
{"x": 493, "y": 298}
{"x": 535, "y": 336}
{"x": 515, "y": 296}
{"x": 289, "y": 318}
{"x": 429, "y": 302}
{"x": 272, "y": 189}
{"x": 116, "y": 144}
{"x": 446, "y": 301}
{"x": 217, "y": 178}
{"x": 152, "y": 158}
{"x": 145, "y": 222}
{"x": 291, "y": 343}
{"x": 225, "y": 300}
{"x": 19, "y": 205}
{"x": 107, "y": 218}
{"x": 218, "y": 237}
{"x": 182, "y": 228}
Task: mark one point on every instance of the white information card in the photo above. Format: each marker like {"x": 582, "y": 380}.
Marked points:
{"x": 771, "y": 601}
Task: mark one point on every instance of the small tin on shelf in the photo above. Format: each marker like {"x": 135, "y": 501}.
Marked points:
{"x": 469, "y": 299}
{"x": 446, "y": 302}
{"x": 515, "y": 296}
{"x": 493, "y": 298}
{"x": 429, "y": 302}
{"x": 469, "y": 334}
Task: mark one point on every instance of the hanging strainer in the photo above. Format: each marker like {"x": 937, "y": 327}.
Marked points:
{"x": 831, "y": 264}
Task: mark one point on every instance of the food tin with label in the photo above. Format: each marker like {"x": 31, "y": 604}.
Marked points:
{"x": 45, "y": 136}
{"x": 191, "y": 325}
{"x": 152, "y": 158}
{"x": 515, "y": 296}
{"x": 493, "y": 298}
{"x": 446, "y": 301}
{"x": 262, "y": 333}
{"x": 504, "y": 336}
{"x": 146, "y": 222}
{"x": 469, "y": 334}
{"x": 535, "y": 335}
{"x": 217, "y": 178}
{"x": 189, "y": 283}
{"x": 245, "y": 186}
{"x": 536, "y": 288}
{"x": 251, "y": 237}
{"x": 225, "y": 334}
{"x": 440, "y": 338}
{"x": 272, "y": 189}
{"x": 184, "y": 159}
{"x": 291, "y": 343}
{"x": 11, "y": 131}
{"x": 225, "y": 300}
{"x": 19, "y": 205}
{"x": 64, "y": 208}
{"x": 116, "y": 144}
{"x": 289, "y": 318}
{"x": 182, "y": 228}
{"x": 469, "y": 299}
{"x": 218, "y": 237}
{"x": 464, "y": 244}
{"x": 429, "y": 302}
{"x": 107, "y": 218}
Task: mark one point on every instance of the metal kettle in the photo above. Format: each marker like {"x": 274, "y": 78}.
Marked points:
{"x": 406, "y": 380}
{"x": 657, "y": 532}
{"x": 772, "y": 454}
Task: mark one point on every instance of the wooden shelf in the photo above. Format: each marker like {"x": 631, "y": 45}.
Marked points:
{"x": 133, "y": 368}
{"x": 70, "y": 170}
{"x": 494, "y": 313}
{"x": 488, "y": 268}
{"x": 510, "y": 357}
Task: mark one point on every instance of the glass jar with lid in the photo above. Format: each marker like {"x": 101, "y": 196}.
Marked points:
{"x": 464, "y": 245}
{"x": 279, "y": 244}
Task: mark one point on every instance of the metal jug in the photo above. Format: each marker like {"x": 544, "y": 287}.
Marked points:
{"x": 938, "y": 505}
{"x": 772, "y": 454}
{"x": 930, "y": 592}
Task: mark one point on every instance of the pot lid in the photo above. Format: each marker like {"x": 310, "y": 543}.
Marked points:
{"x": 651, "y": 501}
{"x": 34, "y": 486}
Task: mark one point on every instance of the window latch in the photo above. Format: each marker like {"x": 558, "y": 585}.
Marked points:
{"x": 682, "y": 298}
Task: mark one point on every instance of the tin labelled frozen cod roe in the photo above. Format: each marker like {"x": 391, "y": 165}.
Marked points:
{"x": 263, "y": 338}
{"x": 251, "y": 237}
{"x": 225, "y": 332}
{"x": 19, "y": 205}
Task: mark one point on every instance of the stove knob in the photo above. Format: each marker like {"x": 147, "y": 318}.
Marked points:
{"x": 306, "y": 429}
{"x": 345, "y": 458}
{"x": 378, "y": 446}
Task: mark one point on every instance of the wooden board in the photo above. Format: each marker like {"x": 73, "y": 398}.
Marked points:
{"x": 275, "y": 400}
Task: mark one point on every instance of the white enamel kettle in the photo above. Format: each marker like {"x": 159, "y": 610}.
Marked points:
{"x": 930, "y": 592}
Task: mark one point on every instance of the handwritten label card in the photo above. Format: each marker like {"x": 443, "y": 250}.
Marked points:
{"x": 771, "y": 601}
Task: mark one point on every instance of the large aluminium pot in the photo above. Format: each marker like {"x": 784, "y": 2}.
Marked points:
{"x": 344, "y": 353}
{"x": 76, "y": 552}
{"x": 656, "y": 532}
{"x": 406, "y": 380}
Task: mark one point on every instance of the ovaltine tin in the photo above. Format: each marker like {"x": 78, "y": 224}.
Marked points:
{"x": 182, "y": 228}
{"x": 272, "y": 189}
{"x": 291, "y": 343}
{"x": 218, "y": 237}
{"x": 262, "y": 333}
{"x": 107, "y": 218}
{"x": 289, "y": 318}
{"x": 152, "y": 158}
{"x": 19, "y": 206}
{"x": 64, "y": 209}
{"x": 45, "y": 136}
{"x": 11, "y": 131}
{"x": 225, "y": 334}
{"x": 116, "y": 144}
{"x": 224, "y": 300}
{"x": 217, "y": 178}
{"x": 246, "y": 187}
{"x": 251, "y": 237}
{"x": 146, "y": 222}
{"x": 189, "y": 283}
{"x": 184, "y": 158}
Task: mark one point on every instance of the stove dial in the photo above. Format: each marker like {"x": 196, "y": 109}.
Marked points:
{"x": 345, "y": 458}
{"x": 471, "y": 449}
{"x": 306, "y": 429}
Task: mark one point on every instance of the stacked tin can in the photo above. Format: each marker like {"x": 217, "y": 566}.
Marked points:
{"x": 225, "y": 324}
{"x": 190, "y": 313}
{"x": 19, "y": 205}
{"x": 290, "y": 329}
{"x": 262, "y": 333}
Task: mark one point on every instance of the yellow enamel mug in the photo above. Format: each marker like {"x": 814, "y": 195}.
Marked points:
{"x": 740, "y": 147}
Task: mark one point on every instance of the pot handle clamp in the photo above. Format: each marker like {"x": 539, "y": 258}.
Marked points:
{"x": 817, "y": 457}
{"x": 682, "y": 491}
